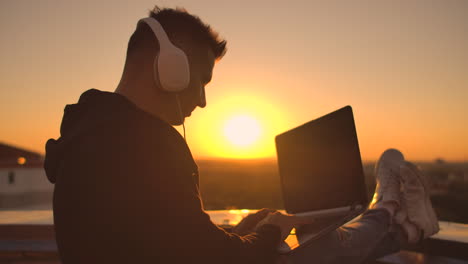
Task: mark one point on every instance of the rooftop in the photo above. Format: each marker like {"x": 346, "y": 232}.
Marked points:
{"x": 28, "y": 235}
{"x": 14, "y": 157}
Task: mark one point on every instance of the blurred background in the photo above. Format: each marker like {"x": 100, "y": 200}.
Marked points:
{"x": 401, "y": 65}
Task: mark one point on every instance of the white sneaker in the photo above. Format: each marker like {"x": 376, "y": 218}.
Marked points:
{"x": 418, "y": 207}
{"x": 401, "y": 214}
{"x": 413, "y": 232}
{"x": 387, "y": 175}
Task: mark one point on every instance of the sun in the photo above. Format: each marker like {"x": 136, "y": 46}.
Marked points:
{"x": 241, "y": 126}
{"x": 242, "y": 130}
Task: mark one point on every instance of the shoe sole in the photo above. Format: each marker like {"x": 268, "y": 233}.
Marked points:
{"x": 430, "y": 213}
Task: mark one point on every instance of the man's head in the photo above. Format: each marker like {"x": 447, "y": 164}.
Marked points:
{"x": 202, "y": 47}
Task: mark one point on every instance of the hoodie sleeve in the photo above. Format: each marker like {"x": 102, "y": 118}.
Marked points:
{"x": 209, "y": 239}
{"x": 202, "y": 238}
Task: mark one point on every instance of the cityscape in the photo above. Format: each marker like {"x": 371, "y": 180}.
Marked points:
{"x": 229, "y": 184}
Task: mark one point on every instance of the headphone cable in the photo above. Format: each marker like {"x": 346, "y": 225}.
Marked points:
{"x": 181, "y": 116}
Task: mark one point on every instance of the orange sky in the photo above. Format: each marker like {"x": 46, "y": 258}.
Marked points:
{"x": 402, "y": 65}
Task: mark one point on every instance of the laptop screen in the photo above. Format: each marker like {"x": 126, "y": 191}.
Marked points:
{"x": 320, "y": 164}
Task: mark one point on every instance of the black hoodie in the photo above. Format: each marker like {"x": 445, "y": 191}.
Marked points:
{"x": 126, "y": 191}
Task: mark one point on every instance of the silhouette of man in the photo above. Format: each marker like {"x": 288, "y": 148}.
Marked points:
{"x": 126, "y": 185}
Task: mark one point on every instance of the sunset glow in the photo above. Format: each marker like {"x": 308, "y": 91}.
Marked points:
{"x": 239, "y": 126}
{"x": 406, "y": 84}
{"x": 242, "y": 130}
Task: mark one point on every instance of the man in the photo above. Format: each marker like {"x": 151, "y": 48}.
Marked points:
{"x": 126, "y": 185}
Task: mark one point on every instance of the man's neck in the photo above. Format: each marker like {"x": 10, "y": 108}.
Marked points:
{"x": 142, "y": 95}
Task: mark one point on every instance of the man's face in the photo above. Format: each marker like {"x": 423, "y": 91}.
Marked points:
{"x": 201, "y": 70}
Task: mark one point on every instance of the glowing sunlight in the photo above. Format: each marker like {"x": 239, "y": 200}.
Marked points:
{"x": 242, "y": 130}
{"x": 239, "y": 126}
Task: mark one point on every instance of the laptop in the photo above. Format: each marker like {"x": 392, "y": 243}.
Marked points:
{"x": 321, "y": 175}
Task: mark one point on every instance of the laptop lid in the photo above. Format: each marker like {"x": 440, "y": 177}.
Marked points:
{"x": 320, "y": 165}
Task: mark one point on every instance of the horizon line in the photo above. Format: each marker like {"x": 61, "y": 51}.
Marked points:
{"x": 213, "y": 158}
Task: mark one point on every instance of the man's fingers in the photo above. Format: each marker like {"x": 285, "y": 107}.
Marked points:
{"x": 249, "y": 222}
{"x": 264, "y": 212}
{"x": 261, "y": 214}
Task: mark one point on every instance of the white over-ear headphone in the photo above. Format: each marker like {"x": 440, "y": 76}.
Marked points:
{"x": 171, "y": 65}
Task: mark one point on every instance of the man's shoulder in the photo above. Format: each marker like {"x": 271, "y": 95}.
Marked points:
{"x": 122, "y": 126}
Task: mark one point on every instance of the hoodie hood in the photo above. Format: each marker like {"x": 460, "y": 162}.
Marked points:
{"x": 94, "y": 108}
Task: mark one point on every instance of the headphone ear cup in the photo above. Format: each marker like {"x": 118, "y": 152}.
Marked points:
{"x": 173, "y": 69}
{"x": 171, "y": 65}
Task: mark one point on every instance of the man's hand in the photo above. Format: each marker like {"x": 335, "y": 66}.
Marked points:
{"x": 248, "y": 224}
{"x": 285, "y": 222}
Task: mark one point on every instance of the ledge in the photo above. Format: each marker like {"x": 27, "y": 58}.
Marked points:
{"x": 29, "y": 237}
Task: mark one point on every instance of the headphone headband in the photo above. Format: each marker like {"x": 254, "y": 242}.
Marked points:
{"x": 158, "y": 31}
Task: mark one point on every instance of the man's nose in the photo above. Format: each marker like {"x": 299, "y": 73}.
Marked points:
{"x": 202, "y": 102}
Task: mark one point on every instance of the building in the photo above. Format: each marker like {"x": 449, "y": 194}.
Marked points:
{"x": 23, "y": 181}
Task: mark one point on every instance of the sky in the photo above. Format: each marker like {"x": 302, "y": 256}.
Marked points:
{"x": 402, "y": 66}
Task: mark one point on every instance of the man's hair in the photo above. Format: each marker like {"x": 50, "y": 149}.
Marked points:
{"x": 178, "y": 22}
